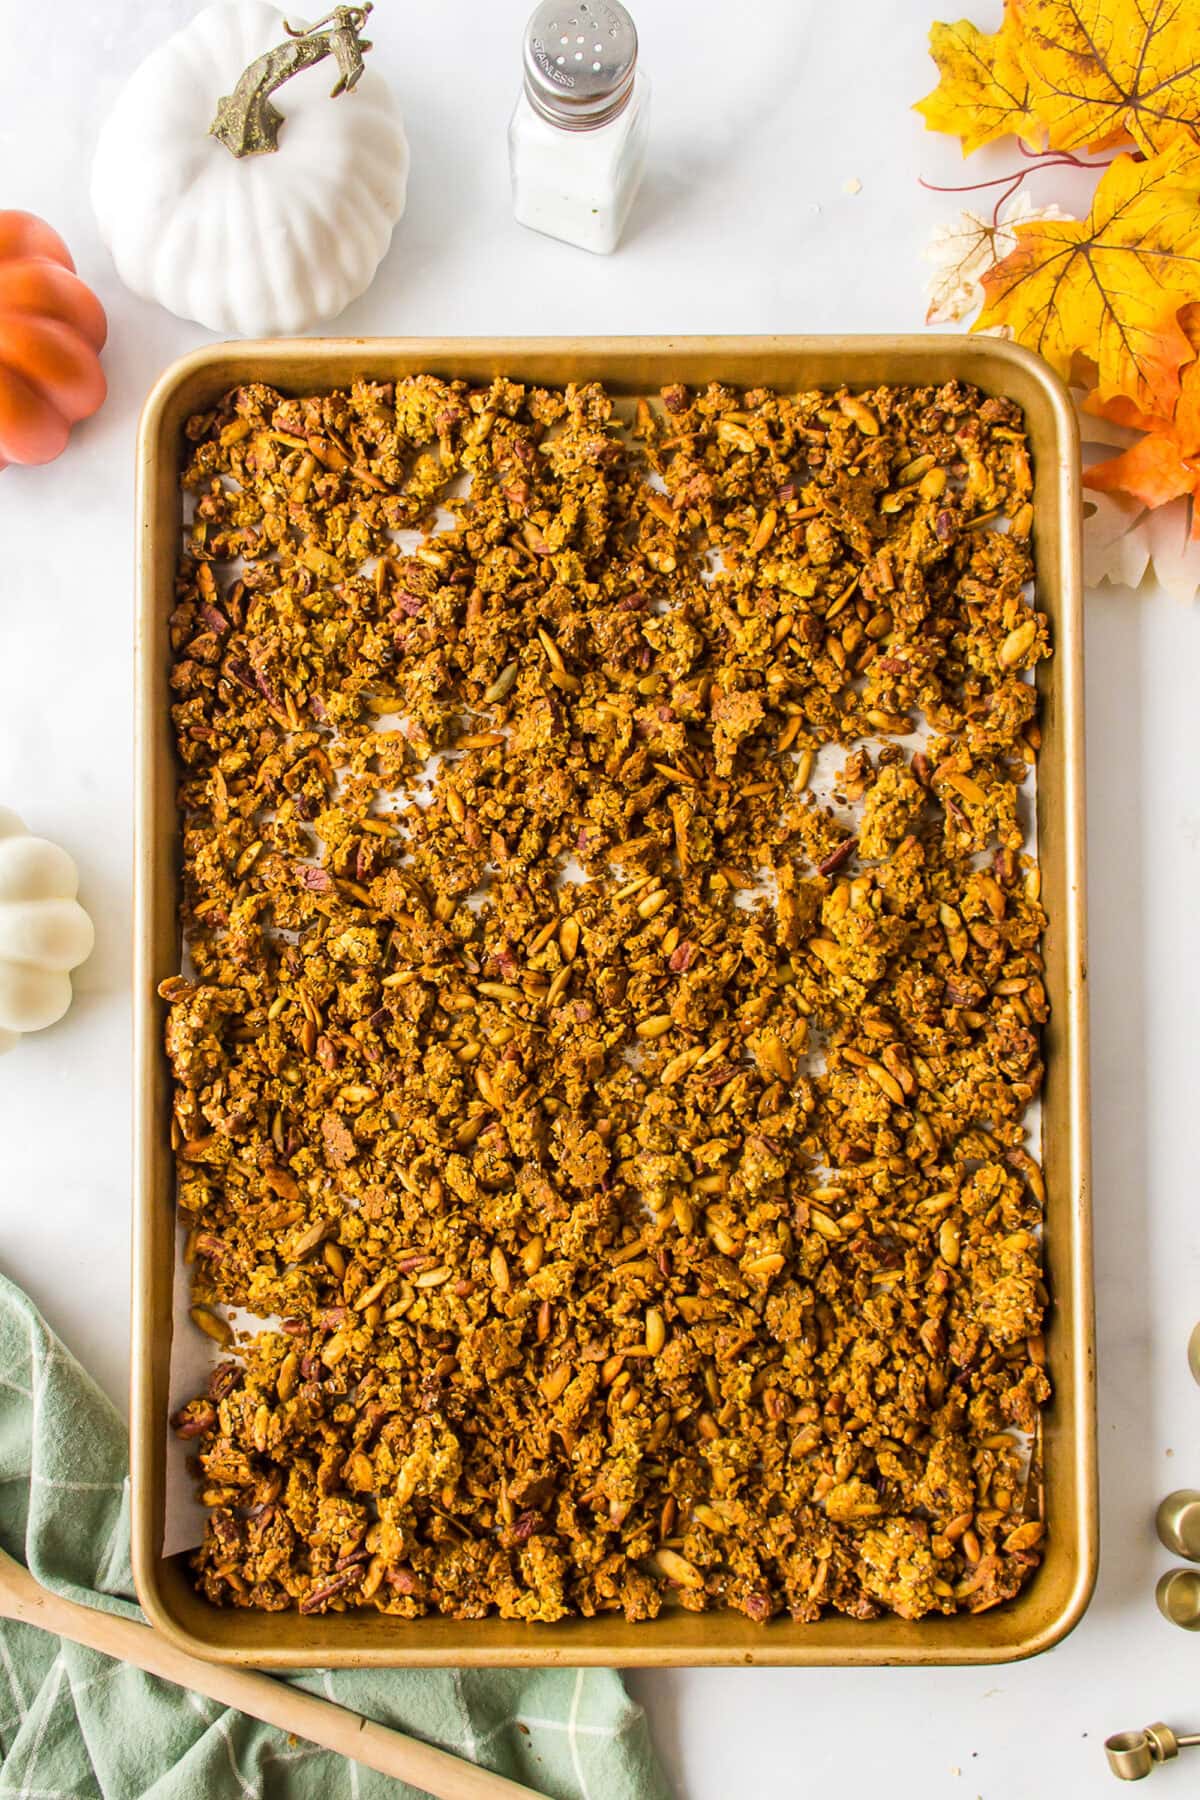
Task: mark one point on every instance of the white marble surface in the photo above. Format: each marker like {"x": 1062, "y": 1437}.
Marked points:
{"x": 744, "y": 226}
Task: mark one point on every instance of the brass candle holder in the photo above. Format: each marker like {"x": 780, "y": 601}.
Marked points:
{"x": 1194, "y": 1352}
{"x": 1178, "y": 1598}
{"x": 1132, "y": 1755}
{"x": 1177, "y": 1522}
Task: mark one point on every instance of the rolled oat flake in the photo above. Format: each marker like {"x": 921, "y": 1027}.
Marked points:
{"x": 577, "y": 139}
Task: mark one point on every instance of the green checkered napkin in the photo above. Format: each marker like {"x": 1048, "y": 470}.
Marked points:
{"x": 74, "y": 1724}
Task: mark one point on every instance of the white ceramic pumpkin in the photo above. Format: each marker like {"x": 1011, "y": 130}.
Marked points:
{"x": 250, "y": 244}
{"x": 44, "y": 931}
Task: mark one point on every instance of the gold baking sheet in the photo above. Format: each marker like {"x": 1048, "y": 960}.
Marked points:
{"x": 1055, "y": 1599}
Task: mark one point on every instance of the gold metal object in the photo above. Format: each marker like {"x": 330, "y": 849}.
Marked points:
{"x": 1055, "y": 1599}
{"x": 246, "y": 122}
{"x": 1133, "y": 1754}
{"x": 1177, "y": 1522}
{"x": 1178, "y": 1597}
{"x": 1194, "y": 1353}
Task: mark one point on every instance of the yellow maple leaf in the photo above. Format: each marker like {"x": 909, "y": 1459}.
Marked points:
{"x": 1110, "y": 286}
{"x": 983, "y": 93}
{"x": 1183, "y": 423}
{"x": 1100, "y": 68}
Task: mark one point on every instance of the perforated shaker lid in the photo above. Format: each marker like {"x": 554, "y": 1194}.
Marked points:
{"x": 580, "y": 59}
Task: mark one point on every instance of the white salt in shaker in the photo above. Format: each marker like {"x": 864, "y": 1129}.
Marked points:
{"x": 577, "y": 141}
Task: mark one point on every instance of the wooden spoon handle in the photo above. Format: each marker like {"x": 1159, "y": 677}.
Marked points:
{"x": 363, "y": 1740}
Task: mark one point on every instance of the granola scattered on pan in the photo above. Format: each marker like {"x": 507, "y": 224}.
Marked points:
{"x": 627, "y": 1147}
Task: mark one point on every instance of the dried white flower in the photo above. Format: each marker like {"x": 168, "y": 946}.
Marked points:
{"x": 1122, "y": 541}
{"x": 964, "y": 251}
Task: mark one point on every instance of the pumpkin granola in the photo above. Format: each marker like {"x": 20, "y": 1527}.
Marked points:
{"x": 621, "y": 1148}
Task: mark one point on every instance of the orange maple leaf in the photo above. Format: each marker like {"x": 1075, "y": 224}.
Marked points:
{"x": 1111, "y": 285}
{"x": 1152, "y": 470}
{"x": 1123, "y": 412}
{"x": 1098, "y": 69}
{"x": 983, "y": 93}
{"x": 1165, "y": 463}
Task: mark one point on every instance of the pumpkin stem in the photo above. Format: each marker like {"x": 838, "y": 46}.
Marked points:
{"x": 246, "y": 122}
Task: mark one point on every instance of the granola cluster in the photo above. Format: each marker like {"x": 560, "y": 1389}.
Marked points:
{"x": 624, "y": 1147}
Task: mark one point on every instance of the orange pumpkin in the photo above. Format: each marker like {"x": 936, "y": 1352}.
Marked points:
{"x": 52, "y": 329}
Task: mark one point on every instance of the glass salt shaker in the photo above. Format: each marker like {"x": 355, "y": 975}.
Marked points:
{"x": 577, "y": 140}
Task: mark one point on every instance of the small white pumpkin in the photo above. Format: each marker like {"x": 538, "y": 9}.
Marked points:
{"x": 251, "y": 240}
{"x": 43, "y": 930}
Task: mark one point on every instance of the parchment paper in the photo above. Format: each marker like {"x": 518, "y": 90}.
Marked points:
{"x": 194, "y": 1355}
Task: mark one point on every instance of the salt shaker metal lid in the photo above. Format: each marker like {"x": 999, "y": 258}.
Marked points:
{"x": 580, "y": 59}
